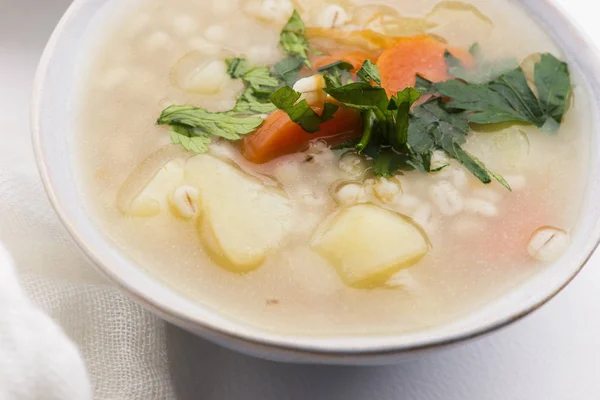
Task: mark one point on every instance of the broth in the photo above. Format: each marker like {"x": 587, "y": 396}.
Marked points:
{"x": 136, "y": 72}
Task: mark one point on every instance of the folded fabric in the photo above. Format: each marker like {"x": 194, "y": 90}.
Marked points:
{"x": 37, "y": 360}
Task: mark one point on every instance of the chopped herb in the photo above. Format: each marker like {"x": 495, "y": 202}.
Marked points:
{"x": 292, "y": 38}
{"x": 425, "y": 86}
{"x": 387, "y": 162}
{"x": 301, "y": 113}
{"x": 260, "y": 76}
{"x": 200, "y": 122}
{"x": 288, "y": 69}
{"x": 401, "y": 103}
{"x": 553, "y": 85}
{"x": 369, "y": 124}
{"x": 259, "y": 85}
{"x": 336, "y": 74}
{"x": 360, "y": 95}
{"x": 369, "y": 72}
{"x": 181, "y": 134}
{"x": 447, "y": 131}
{"x": 339, "y": 65}
{"x": 253, "y": 76}
{"x": 254, "y": 102}
{"x": 237, "y": 67}
{"x": 509, "y": 97}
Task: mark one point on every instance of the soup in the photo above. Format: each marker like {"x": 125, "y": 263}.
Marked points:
{"x": 341, "y": 167}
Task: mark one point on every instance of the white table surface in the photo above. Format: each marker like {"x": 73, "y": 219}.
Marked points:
{"x": 553, "y": 354}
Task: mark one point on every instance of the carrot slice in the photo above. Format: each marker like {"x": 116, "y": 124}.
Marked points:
{"x": 279, "y": 136}
{"x": 356, "y": 58}
{"x": 423, "y": 55}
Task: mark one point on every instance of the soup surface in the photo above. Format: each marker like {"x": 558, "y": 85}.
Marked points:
{"x": 303, "y": 266}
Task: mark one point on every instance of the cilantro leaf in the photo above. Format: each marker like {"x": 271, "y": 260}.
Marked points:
{"x": 250, "y": 102}
{"x": 336, "y": 74}
{"x": 253, "y": 76}
{"x": 301, "y": 113}
{"x": 369, "y": 124}
{"x": 554, "y": 86}
{"x": 476, "y": 167}
{"x": 292, "y": 38}
{"x": 369, "y": 72}
{"x": 471, "y": 163}
{"x": 259, "y": 85}
{"x": 227, "y": 125}
{"x": 288, "y": 69}
{"x": 445, "y": 128}
{"x": 360, "y": 95}
{"x": 401, "y": 103}
{"x": 509, "y": 98}
{"x": 432, "y": 127}
{"x": 260, "y": 76}
{"x": 335, "y": 66}
{"x": 387, "y": 162}
{"x": 237, "y": 67}
{"x": 186, "y": 136}
{"x": 425, "y": 86}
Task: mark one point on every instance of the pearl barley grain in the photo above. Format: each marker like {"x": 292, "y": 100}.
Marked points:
{"x": 548, "y": 243}
{"x": 157, "y": 41}
{"x": 350, "y": 193}
{"x": 215, "y": 33}
{"x": 184, "y": 25}
{"x": 446, "y": 198}
{"x": 113, "y": 78}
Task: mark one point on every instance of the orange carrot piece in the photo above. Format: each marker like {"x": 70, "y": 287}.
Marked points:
{"x": 279, "y": 136}
{"x": 356, "y": 58}
{"x": 423, "y": 55}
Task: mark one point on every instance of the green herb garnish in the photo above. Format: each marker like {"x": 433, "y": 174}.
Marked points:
{"x": 369, "y": 72}
{"x": 259, "y": 84}
{"x": 288, "y": 69}
{"x": 401, "y": 104}
{"x": 253, "y": 76}
{"x": 187, "y": 137}
{"x": 286, "y": 99}
{"x": 336, "y": 74}
{"x": 193, "y": 121}
{"x": 293, "y": 40}
{"x": 510, "y": 99}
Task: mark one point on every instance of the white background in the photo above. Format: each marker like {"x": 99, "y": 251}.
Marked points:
{"x": 553, "y": 354}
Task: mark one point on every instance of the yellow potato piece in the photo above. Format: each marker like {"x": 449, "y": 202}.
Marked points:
{"x": 368, "y": 244}
{"x": 153, "y": 197}
{"x": 242, "y": 219}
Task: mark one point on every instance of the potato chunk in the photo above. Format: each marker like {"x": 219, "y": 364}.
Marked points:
{"x": 368, "y": 244}
{"x": 153, "y": 197}
{"x": 242, "y": 219}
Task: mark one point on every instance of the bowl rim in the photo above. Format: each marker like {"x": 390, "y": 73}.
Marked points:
{"x": 239, "y": 339}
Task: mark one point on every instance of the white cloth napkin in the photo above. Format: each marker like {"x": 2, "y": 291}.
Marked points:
{"x": 123, "y": 346}
{"x": 37, "y": 360}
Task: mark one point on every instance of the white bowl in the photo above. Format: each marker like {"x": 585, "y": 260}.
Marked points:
{"x": 53, "y": 131}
